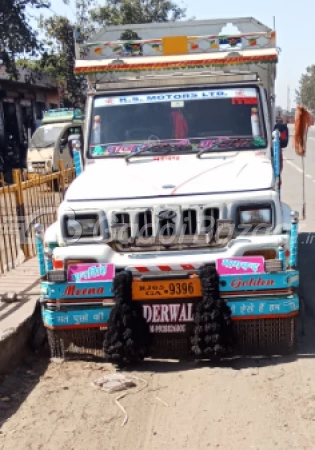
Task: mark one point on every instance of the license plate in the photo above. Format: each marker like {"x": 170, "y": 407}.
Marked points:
{"x": 163, "y": 290}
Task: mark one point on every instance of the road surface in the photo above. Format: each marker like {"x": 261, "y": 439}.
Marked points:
{"x": 253, "y": 404}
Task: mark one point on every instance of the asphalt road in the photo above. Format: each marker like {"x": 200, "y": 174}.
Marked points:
{"x": 292, "y": 194}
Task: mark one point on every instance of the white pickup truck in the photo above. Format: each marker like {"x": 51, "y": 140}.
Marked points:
{"x": 180, "y": 173}
{"x": 49, "y": 143}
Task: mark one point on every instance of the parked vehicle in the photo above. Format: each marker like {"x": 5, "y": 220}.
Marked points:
{"x": 49, "y": 143}
{"x": 175, "y": 230}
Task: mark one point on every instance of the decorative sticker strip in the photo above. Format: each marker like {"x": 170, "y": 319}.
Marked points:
{"x": 216, "y": 143}
{"x": 238, "y": 266}
{"x": 264, "y": 308}
{"x": 82, "y": 273}
{"x": 220, "y": 62}
{"x": 175, "y": 317}
{"x": 76, "y": 318}
{"x": 175, "y": 96}
{"x": 197, "y": 44}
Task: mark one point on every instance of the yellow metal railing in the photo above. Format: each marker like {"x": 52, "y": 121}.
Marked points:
{"x": 31, "y": 198}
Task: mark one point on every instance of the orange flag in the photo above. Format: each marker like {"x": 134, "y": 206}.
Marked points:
{"x": 303, "y": 120}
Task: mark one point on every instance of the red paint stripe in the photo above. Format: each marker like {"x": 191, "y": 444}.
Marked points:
{"x": 80, "y": 300}
{"x": 269, "y": 316}
{"x": 142, "y": 269}
{"x": 188, "y": 267}
{"x": 199, "y": 174}
{"x": 74, "y": 327}
{"x": 174, "y": 64}
{"x": 165, "y": 268}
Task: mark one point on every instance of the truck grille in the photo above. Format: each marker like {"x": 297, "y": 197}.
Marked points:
{"x": 163, "y": 228}
{"x": 38, "y": 164}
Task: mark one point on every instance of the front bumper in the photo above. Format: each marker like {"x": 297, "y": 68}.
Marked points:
{"x": 88, "y": 305}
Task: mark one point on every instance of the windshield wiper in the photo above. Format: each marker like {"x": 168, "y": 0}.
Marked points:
{"x": 225, "y": 145}
{"x": 165, "y": 148}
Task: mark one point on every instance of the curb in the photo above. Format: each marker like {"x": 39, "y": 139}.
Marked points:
{"x": 16, "y": 342}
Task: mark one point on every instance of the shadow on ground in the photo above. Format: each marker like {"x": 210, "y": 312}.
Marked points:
{"x": 18, "y": 385}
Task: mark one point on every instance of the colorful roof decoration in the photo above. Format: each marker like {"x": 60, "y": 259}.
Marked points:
{"x": 178, "y": 45}
{"x": 177, "y": 62}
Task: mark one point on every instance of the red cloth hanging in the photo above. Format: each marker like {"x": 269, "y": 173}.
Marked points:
{"x": 180, "y": 125}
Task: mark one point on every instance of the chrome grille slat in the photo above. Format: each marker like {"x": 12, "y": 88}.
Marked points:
{"x": 143, "y": 228}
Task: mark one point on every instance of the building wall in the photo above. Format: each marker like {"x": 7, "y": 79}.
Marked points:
{"x": 52, "y": 98}
{"x": 29, "y": 102}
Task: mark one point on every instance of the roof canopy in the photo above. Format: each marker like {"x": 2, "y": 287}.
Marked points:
{"x": 176, "y": 49}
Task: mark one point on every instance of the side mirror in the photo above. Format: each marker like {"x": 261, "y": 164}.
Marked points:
{"x": 284, "y": 134}
{"x": 75, "y": 141}
{"x": 63, "y": 142}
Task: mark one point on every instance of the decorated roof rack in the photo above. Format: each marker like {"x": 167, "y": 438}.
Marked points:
{"x": 62, "y": 115}
{"x": 175, "y": 46}
{"x": 179, "y": 52}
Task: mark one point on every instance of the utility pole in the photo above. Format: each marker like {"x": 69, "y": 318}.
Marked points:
{"x": 289, "y": 102}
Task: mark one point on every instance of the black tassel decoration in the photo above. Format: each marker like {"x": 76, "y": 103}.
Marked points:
{"x": 127, "y": 339}
{"x": 213, "y": 332}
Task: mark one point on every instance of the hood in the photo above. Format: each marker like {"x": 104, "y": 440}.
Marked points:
{"x": 40, "y": 154}
{"x": 170, "y": 176}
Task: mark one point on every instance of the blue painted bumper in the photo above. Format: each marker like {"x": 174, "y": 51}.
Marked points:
{"x": 228, "y": 284}
{"x": 76, "y": 317}
{"x": 79, "y": 305}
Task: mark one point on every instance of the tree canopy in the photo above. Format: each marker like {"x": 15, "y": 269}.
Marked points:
{"x": 56, "y": 49}
{"x": 123, "y": 12}
{"x": 305, "y": 94}
{"x": 16, "y": 36}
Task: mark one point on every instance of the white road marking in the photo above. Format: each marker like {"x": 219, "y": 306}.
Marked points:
{"x": 294, "y": 165}
{"x": 299, "y": 169}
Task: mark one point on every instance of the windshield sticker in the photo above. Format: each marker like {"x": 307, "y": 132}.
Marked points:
{"x": 219, "y": 143}
{"x": 98, "y": 151}
{"x": 245, "y": 101}
{"x": 175, "y": 96}
{"x": 259, "y": 141}
{"x": 166, "y": 158}
{"x": 178, "y": 104}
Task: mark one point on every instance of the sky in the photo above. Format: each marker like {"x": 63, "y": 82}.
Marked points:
{"x": 295, "y": 31}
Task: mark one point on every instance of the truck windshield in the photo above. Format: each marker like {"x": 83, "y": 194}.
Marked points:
{"x": 224, "y": 119}
{"x": 45, "y": 136}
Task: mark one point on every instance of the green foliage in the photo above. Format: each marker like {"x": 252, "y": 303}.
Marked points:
{"x": 57, "y": 52}
{"x": 61, "y": 59}
{"x": 16, "y": 36}
{"x": 305, "y": 94}
{"x": 122, "y": 12}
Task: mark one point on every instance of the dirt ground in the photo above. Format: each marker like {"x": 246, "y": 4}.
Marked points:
{"x": 243, "y": 404}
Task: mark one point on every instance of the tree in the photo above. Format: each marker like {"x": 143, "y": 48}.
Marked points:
{"x": 60, "y": 61}
{"x": 305, "y": 94}
{"x": 60, "y": 58}
{"x": 123, "y": 12}
{"x": 16, "y": 36}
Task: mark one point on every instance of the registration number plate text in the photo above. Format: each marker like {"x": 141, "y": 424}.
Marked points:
{"x": 151, "y": 290}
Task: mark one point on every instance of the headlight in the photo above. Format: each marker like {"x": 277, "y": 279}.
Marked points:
{"x": 255, "y": 216}
{"x": 82, "y": 226}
